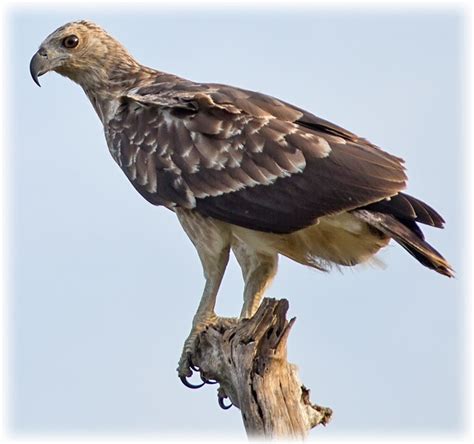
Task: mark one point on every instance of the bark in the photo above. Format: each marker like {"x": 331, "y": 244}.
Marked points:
{"x": 249, "y": 360}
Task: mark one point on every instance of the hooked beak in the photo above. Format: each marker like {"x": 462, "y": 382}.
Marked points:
{"x": 39, "y": 65}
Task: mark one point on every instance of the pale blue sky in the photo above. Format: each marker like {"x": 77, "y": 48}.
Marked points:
{"x": 105, "y": 285}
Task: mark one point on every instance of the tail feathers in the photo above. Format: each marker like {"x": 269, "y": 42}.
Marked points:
{"x": 409, "y": 239}
{"x": 406, "y": 207}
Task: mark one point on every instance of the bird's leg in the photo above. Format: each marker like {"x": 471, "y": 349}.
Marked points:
{"x": 258, "y": 270}
{"x": 205, "y": 315}
{"x": 212, "y": 241}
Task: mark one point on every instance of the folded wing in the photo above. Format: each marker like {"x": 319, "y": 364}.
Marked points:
{"x": 244, "y": 157}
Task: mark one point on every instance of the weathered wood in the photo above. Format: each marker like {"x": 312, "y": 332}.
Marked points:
{"x": 249, "y": 361}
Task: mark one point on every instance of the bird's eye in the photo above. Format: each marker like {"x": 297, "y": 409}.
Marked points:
{"x": 70, "y": 41}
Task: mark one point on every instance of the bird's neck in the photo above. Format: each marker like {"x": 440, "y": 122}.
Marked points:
{"x": 103, "y": 101}
{"x": 105, "y": 89}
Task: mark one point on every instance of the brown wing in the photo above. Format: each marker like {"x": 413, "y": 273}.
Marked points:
{"x": 244, "y": 157}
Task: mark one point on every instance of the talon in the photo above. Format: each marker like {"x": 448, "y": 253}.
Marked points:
{"x": 220, "y": 400}
{"x": 207, "y": 381}
{"x": 185, "y": 381}
{"x": 191, "y": 364}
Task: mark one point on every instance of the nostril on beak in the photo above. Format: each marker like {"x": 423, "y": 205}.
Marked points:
{"x": 43, "y": 53}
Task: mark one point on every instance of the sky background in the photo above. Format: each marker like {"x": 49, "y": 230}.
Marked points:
{"x": 104, "y": 285}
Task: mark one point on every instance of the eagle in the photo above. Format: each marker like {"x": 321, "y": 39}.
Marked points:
{"x": 243, "y": 171}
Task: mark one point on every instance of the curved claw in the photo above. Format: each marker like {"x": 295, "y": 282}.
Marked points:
{"x": 189, "y": 385}
{"x": 220, "y": 400}
{"x": 207, "y": 381}
{"x": 191, "y": 365}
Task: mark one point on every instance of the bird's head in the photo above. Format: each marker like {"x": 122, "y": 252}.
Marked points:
{"x": 82, "y": 51}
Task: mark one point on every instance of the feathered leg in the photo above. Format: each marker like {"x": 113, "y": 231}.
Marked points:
{"x": 212, "y": 241}
{"x": 258, "y": 270}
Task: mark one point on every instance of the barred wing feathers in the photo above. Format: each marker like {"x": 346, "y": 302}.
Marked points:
{"x": 244, "y": 157}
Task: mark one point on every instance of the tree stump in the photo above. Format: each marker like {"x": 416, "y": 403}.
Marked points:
{"x": 249, "y": 360}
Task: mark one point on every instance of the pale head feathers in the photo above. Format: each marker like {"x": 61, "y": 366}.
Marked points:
{"x": 97, "y": 60}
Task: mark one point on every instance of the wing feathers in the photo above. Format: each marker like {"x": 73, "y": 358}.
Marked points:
{"x": 246, "y": 158}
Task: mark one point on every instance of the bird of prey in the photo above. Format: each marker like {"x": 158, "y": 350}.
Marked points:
{"x": 241, "y": 170}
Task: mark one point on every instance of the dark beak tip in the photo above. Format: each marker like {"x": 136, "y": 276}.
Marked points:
{"x": 35, "y": 68}
{"x": 37, "y": 81}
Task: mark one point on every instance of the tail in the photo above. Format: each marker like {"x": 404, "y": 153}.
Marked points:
{"x": 398, "y": 219}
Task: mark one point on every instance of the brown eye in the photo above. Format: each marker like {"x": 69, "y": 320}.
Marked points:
{"x": 70, "y": 41}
